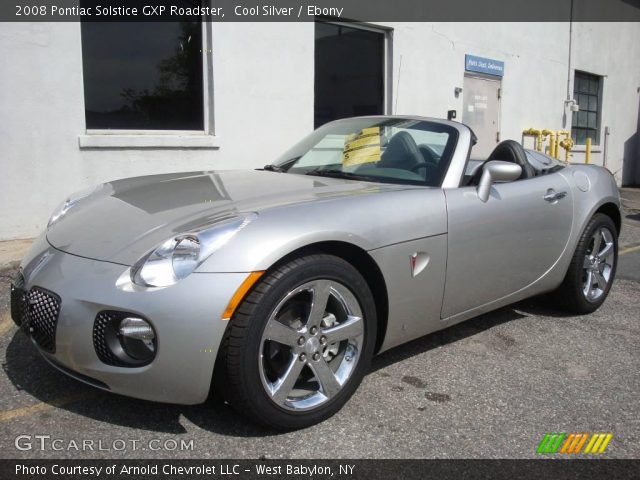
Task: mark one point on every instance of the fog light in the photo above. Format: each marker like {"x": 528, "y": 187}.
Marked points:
{"x": 137, "y": 329}
{"x": 137, "y": 338}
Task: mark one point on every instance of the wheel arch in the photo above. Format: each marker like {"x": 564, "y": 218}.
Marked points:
{"x": 361, "y": 261}
{"x": 611, "y": 210}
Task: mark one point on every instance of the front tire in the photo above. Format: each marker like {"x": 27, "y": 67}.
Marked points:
{"x": 592, "y": 268}
{"x": 299, "y": 344}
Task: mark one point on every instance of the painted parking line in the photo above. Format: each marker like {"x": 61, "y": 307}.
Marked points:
{"x": 624, "y": 251}
{"x": 42, "y": 406}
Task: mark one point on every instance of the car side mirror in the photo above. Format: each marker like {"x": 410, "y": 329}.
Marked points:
{"x": 496, "y": 171}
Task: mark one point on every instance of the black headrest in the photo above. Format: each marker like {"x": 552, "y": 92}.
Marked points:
{"x": 401, "y": 152}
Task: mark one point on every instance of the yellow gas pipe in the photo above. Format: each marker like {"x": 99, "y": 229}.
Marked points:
{"x": 566, "y": 143}
{"x": 555, "y": 141}
{"x": 534, "y": 132}
{"x": 552, "y": 141}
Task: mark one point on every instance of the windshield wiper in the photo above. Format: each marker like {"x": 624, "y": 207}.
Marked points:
{"x": 334, "y": 173}
{"x": 272, "y": 168}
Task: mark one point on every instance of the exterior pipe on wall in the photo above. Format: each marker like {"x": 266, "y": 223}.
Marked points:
{"x": 534, "y": 132}
{"x": 552, "y": 141}
{"x": 566, "y": 143}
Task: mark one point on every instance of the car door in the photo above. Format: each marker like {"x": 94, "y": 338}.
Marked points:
{"x": 501, "y": 246}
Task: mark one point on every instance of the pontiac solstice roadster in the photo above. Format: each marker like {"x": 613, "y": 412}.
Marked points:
{"x": 276, "y": 287}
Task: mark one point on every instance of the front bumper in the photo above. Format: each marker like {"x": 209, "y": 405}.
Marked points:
{"x": 186, "y": 318}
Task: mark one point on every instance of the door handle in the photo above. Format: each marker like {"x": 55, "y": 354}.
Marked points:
{"x": 552, "y": 196}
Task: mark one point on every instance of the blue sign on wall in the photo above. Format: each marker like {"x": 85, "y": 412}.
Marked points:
{"x": 483, "y": 65}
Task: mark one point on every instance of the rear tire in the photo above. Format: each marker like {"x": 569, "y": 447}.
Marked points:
{"x": 299, "y": 344}
{"x": 592, "y": 268}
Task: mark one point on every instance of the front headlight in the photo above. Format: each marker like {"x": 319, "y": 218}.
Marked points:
{"x": 177, "y": 257}
{"x": 70, "y": 202}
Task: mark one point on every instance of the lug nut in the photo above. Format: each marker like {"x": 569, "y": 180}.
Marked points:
{"x": 316, "y": 356}
{"x": 301, "y": 341}
{"x": 323, "y": 340}
{"x": 314, "y": 330}
{"x": 302, "y": 357}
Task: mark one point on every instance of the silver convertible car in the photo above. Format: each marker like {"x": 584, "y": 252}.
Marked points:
{"x": 274, "y": 288}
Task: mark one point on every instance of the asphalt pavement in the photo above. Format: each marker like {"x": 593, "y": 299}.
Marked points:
{"x": 487, "y": 388}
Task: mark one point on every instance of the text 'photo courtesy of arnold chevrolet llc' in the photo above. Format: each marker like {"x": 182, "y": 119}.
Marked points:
{"x": 357, "y": 240}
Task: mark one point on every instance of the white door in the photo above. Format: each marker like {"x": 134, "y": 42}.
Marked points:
{"x": 481, "y": 112}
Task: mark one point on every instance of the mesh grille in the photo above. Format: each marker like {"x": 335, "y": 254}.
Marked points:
{"x": 101, "y": 326}
{"x": 44, "y": 308}
{"x": 19, "y": 306}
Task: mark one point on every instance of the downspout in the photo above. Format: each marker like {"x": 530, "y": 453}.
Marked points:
{"x": 569, "y": 96}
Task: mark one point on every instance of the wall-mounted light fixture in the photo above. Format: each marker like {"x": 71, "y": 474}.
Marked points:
{"x": 572, "y": 104}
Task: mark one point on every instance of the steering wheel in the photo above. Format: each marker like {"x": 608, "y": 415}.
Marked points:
{"x": 421, "y": 164}
{"x": 431, "y": 173}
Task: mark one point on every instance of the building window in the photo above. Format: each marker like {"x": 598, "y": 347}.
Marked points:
{"x": 349, "y": 71}
{"x": 143, "y": 76}
{"x": 587, "y": 91}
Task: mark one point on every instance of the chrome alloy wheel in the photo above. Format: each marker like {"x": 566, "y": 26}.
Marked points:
{"x": 598, "y": 264}
{"x": 311, "y": 345}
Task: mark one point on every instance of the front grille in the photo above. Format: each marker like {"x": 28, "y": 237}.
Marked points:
{"x": 19, "y": 305}
{"x": 35, "y": 311}
{"x": 42, "y": 317}
{"x": 104, "y": 326}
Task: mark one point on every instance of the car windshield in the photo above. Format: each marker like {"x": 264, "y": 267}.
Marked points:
{"x": 391, "y": 150}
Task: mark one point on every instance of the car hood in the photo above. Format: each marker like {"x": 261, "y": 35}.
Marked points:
{"x": 124, "y": 219}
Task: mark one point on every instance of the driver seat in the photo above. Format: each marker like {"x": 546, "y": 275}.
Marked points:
{"x": 512, "y": 151}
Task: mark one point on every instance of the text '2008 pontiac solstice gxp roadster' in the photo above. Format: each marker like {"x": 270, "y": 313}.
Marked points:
{"x": 276, "y": 287}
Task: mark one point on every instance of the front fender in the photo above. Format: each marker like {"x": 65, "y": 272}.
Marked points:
{"x": 368, "y": 222}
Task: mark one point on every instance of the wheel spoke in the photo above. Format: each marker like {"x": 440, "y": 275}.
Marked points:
{"x": 320, "y": 297}
{"x": 587, "y": 262}
{"x": 279, "y": 332}
{"x": 281, "y": 389}
{"x": 588, "y": 283}
{"x": 329, "y": 384}
{"x": 600, "y": 281}
{"x": 597, "y": 240}
{"x": 606, "y": 251}
{"x": 352, "y": 327}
